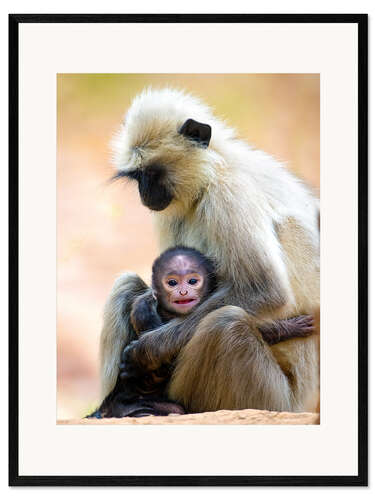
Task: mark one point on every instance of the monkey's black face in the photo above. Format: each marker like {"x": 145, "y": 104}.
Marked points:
{"x": 153, "y": 190}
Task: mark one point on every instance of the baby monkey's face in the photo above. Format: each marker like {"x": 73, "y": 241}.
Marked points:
{"x": 183, "y": 284}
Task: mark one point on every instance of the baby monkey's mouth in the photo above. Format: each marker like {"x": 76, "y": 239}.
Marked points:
{"x": 184, "y": 301}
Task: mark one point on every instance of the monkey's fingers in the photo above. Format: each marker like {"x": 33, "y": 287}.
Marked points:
{"x": 127, "y": 375}
{"x": 137, "y": 358}
{"x": 305, "y": 324}
{"x": 130, "y": 370}
{"x": 127, "y": 356}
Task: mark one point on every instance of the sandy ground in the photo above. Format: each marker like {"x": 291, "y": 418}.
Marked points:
{"x": 222, "y": 417}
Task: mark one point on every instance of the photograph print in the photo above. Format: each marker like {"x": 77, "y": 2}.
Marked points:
{"x": 204, "y": 253}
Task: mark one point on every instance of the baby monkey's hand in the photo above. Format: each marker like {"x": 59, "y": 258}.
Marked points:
{"x": 285, "y": 329}
{"x": 144, "y": 314}
{"x": 129, "y": 368}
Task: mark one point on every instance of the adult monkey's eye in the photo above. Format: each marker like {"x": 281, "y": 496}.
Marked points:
{"x": 172, "y": 282}
{"x": 193, "y": 281}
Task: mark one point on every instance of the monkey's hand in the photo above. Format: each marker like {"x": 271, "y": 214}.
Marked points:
{"x": 285, "y": 329}
{"x": 144, "y": 315}
{"x": 146, "y": 381}
{"x": 129, "y": 369}
{"x": 136, "y": 361}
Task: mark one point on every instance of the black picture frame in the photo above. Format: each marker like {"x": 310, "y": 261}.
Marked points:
{"x": 361, "y": 479}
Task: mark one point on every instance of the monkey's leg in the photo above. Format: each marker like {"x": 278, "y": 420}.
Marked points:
{"x": 117, "y": 330}
{"x": 227, "y": 365}
{"x": 285, "y": 329}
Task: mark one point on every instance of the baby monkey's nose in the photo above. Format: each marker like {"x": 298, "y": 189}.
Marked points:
{"x": 181, "y": 292}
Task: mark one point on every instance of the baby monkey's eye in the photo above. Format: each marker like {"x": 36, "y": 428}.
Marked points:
{"x": 172, "y": 282}
{"x": 193, "y": 281}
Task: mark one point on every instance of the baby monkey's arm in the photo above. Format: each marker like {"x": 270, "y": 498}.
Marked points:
{"x": 285, "y": 329}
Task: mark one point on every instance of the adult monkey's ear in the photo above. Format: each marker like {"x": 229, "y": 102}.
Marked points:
{"x": 198, "y": 132}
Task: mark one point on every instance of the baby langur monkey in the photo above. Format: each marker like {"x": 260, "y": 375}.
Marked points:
{"x": 182, "y": 278}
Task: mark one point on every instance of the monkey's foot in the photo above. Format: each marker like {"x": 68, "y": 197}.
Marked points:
{"x": 146, "y": 408}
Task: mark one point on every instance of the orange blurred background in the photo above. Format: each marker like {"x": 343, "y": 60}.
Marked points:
{"x": 102, "y": 228}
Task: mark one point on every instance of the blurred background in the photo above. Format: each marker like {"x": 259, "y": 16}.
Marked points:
{"x": 102, "y": 228}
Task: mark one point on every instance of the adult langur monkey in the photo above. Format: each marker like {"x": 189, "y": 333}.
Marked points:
{"x": 211, "y": 191}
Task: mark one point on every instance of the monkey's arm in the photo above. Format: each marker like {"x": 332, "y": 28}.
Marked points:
{"x": 161, "y": 346}
{"x": 144, "y": 315}
{"x": 284, "y": 329}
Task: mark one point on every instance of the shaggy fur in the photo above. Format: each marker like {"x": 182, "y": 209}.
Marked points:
{"x": 244, "y": 210}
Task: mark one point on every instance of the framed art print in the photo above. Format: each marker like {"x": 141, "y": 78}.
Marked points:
{"x": 238, "y": 143}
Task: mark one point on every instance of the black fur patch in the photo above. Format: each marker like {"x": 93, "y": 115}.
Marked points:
{"x": 135, "y": 174}
{"x": 197, "y": 132}
{"x": 152, "y": 188}
{"x": 127, "y": 174}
